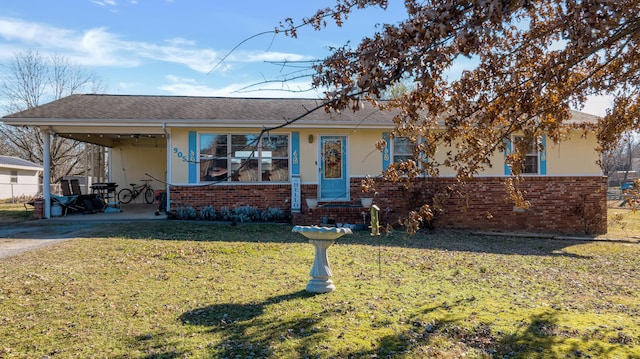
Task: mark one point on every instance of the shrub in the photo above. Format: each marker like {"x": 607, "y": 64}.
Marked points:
{"x": 272, "y": 214}
{"x": 246, "y": 214}
{"x": 226, "y": 214}
{"x": 208, "y": 213}
{"x": 187, "y": 212}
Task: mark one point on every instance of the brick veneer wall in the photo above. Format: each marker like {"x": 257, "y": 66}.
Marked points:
{"x": 558, "y": 204}
{"x": 232, "y": 196}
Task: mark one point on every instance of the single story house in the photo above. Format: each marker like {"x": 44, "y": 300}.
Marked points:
{"x": 208, "y": 151}
{"x": 18, "y": 178}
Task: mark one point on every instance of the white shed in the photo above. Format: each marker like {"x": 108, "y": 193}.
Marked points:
{"x": 18, "y": 178}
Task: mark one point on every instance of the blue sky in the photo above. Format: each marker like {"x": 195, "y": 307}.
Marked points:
{"x": 171, "y": 47}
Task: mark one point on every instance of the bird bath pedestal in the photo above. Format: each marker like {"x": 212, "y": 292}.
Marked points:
{"x": 321, "y": 238}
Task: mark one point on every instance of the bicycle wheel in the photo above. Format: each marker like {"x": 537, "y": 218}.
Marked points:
{"x": 148, "y": 195}
{"x": 125, "y": 196}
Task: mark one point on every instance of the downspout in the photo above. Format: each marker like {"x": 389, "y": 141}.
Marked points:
{"x": 46, "y": 178}
{"x": 168, "y": 179}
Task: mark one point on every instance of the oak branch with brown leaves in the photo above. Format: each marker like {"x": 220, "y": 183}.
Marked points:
{"x": 535, "y": 60}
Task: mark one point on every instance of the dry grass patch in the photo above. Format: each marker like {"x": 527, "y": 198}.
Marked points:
{"x": 15, "y": 213}
{"x": 623, "y": 222}
{"x": 180, "y": 289}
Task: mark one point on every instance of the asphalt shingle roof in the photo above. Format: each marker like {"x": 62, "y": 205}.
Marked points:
{"x": 138, "y": 107}
{"x": 9, "y": 161}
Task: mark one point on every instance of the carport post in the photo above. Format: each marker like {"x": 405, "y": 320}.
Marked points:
{"x": 169, "y": 169}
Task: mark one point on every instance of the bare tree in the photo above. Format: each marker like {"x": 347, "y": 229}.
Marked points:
{"x": 617, "y": 162}
{"x": 32, "y": 79}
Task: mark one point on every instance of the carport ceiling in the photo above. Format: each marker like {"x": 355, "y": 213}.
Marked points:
{"x": 114, "y": 140}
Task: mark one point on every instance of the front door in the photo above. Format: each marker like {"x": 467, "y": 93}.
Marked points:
{"x": 334, "y": 180}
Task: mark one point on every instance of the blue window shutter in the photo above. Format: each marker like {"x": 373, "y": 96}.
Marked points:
{"x": 386, "y": 151}
{"x": 507, "y": 150}
{"x": 193, "y": 149}
{"x": 543, "y": 155}
{"x": 422, "y": 155}
{"x": 295, "y": 153}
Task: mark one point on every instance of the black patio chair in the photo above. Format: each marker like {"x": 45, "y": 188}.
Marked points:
{"x": 66, "y": 189}
{"x": 75, "y": 187}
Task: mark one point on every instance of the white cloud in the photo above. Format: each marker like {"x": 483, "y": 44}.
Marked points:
{"x": 99, "y": 47}
{"x": 191, "y": 87}
{"x": 29, "y": 32}
{"x": 94, "y": 47}
{"x": 200, "y": 60}
{"x": 110, "y": 5}
{"x": 244, "y": 56}
{"x": 177, "y": 41}
{"x": 105, "y": 2}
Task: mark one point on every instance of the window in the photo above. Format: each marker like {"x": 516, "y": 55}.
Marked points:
{"x": 403, "y": 154}
{"x": 244, "y": 157}
{"x": 14, "y": 176}
{"x": 402, "y": 149}
{"x": 530, "y": 163}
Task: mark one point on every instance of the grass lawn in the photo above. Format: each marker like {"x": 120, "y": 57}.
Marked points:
{"x": 623, "y": 222}
{"x": 202, "y": 290}
{"x": 15, "y": 213}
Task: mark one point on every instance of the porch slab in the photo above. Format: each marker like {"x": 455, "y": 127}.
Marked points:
{"x": 134, "y": 211}
{"x": 333, "y": 214}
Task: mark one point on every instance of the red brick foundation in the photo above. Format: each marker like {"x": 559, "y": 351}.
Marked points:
{"x": 571, "y": 205}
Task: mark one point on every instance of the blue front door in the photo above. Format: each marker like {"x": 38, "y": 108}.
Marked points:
{"x": 334, "y": 179}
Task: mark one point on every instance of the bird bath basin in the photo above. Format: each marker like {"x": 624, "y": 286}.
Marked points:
{"x": 321, "y": 238}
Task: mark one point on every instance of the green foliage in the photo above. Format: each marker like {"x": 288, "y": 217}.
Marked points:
{"x": 240, "y": 214}
{"x": 226, "y": 214}
{"x": 208, "y": 213}
{"x": 186, "y": 212}
{"x": 246, "y": 214}
{"x": 272, "y": 214}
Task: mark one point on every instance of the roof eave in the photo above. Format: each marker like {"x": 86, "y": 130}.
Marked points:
{"x": 19, "y": 167}
{"x": 190, "y": 123}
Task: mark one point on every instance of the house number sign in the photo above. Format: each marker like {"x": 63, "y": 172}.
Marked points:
{"x": 182, "y": 156}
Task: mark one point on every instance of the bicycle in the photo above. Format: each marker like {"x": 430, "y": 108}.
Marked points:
{"x": 126, "y": 195}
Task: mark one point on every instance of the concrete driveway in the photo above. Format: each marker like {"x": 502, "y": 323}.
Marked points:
{"x": 24, "y": 236}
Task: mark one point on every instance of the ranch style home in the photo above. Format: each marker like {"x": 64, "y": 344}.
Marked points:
{"x": 208, "y": 151}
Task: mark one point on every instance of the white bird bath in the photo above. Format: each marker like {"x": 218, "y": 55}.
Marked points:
{"x": 321, "y": 238}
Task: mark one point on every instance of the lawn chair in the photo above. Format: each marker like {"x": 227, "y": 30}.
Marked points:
{"x": 66, "y": 190}
{"x": 75, "y": 187}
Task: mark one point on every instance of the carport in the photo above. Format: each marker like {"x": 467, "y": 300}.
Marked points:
{"x": 136, "y": 148}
